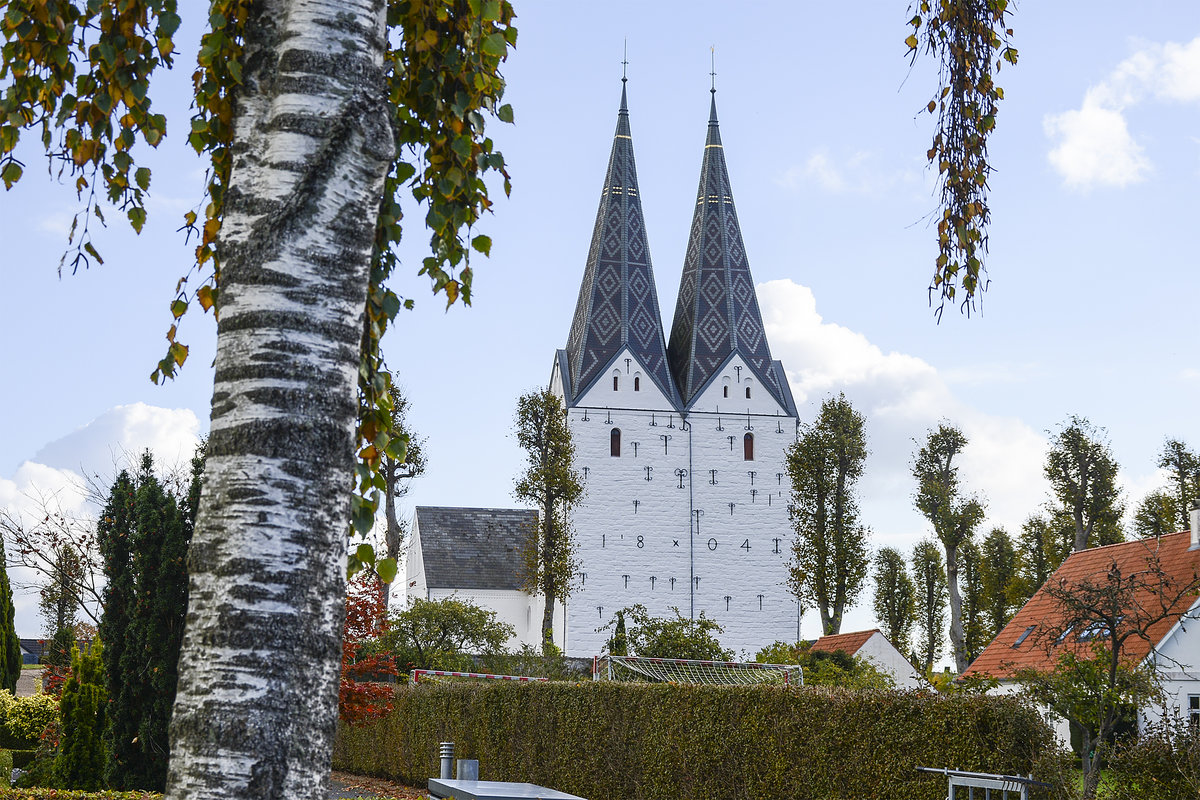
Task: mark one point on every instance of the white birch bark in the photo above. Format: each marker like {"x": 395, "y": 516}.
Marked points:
{"x": 256, "y": 708}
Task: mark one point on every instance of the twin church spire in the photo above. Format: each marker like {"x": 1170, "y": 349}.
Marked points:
{"x": 716, "y": 313}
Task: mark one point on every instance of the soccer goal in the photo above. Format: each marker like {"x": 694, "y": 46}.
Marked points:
{"x": 686, "y": 670}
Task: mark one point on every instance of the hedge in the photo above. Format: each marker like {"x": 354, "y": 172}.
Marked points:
{"x": 623, "y": 741}
{"x": 71, "y": 794}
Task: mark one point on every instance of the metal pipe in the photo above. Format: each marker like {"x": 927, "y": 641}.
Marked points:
{"x": 446, "y": 751}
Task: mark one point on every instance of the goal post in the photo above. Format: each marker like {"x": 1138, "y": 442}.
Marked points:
{"x": 695, "y": 671}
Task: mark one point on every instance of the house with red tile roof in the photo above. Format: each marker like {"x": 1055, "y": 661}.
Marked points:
{"x": 1035, "y": 637}
{"x": 873, "y": 646}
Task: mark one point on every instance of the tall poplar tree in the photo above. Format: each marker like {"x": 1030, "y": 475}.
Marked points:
{"x": 1184, "y": 468}
{"x": 551, "y": 484}
{"x": 998, "y": 574}
{"x": 954, "y": 517}
{"x": 1083, "y": 479}
{"x": 929, "y": 577}
{"x": 975, "y": 636}
{"x": 10, "y": 645}
{"x": 894, "y": 602}
{"x": 829, "y": 554}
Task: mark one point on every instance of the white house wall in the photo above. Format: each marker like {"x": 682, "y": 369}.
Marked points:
{"x": 1177, "y": 659}
{"x": 516, "y": 608}
{"x": 886, "y": 658}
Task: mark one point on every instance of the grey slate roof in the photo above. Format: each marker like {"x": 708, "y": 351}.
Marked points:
{"x": 473, "y": 548}
{"x": 716, "y": 313}
{"x": 618, "y": 302}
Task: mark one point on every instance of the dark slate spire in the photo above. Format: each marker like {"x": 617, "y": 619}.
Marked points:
{"x": 717, "y": 313}
{"x": 618, "y": 304}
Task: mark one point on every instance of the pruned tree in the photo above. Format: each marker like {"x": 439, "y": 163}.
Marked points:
{"x": 1042, "y": 546}
{"x": 1184, "y": 468}
{"x": 551, "y": 484}
{"x": 829, "y": 561}
{"x": 316, "y": 118}
{"x": 953, "y": 517}
{"x": 998, "y": 575}
{"x": 1156, "y": 515}
{"x": 398, "y": 472}
{"x": 894, "y": 602}
{"x": 1096, "y": 681}
{"x": 929, "y": 578}
{"x": 975, "y": 631}
{"x": 1083, "y": 478}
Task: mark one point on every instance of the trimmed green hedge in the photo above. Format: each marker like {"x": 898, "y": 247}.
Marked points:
{"x": 622, "y": 741}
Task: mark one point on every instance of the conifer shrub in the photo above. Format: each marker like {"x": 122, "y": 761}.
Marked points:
{"x": 81, "y": 758}
{"x": 623, "y": 741}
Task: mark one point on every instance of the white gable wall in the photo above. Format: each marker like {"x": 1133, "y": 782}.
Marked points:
{"x": 887, "y": 659}
{"x": 726, "y": 393}
{"x": 629, "y": 373}
{"x": 1177, "y": 658}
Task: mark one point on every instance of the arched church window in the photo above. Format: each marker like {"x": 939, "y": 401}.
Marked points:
{"x": 747, "y": 392}
{"x": 614, "y": 442}
{"x": 725, "y": 390}
{"x": 748, "y": 447}
{"x": 616, "y": 383}
{"x": 637, "y": 383}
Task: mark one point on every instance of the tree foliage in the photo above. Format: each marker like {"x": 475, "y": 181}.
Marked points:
{"x": 953, "y": 516}
{"x": 361, "y": 697}
{"x": 824, "y": 668}
{"x": 673, "y": 636}
{"x": 964, "y": 36}
{"x": 1166, "y": 510}
{"x": 829, "y": 554}
{"x": 975, "y": 635}
{"x": 10, "y": 645}
{"x": 442, "y": 634}
{"x": 929, "y": 576}
{"x": 81, "y": 755}
{"x": 894, "y": 601}
{"x": 58, "y": 603}
{"x": 1083, "y": 478}
{"x": 143, "y": 533}
{"x": 551, "y": 484}
{"x": 398, "y": 473}
{"x": 998, "y": 576}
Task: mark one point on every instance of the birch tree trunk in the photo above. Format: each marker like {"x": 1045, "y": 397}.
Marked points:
{"x": 256, "y": 708}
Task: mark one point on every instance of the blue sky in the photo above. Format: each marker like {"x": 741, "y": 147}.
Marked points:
{"x": 1090, "y": 310}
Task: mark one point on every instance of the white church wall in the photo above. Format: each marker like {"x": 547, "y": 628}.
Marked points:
{"x": 634, "y": 390}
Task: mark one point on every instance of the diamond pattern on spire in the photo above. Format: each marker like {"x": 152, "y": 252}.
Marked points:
{"x": 721, "y": 317}
{"x": 618, "y": 304}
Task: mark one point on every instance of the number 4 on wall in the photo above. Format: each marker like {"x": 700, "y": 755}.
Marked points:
{"x": 745, "y": 545}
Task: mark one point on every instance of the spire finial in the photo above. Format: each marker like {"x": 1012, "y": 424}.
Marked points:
{"x": 713, "y": 70}
{"x": 625, "y": 61}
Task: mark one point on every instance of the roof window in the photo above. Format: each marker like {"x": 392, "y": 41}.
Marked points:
{"x": 1024, "y": 635}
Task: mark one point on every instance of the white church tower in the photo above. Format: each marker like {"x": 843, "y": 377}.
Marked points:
{"x": 681, "y": 447}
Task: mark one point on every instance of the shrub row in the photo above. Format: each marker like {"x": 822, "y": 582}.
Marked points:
{"x": 70, "y": 794}
{"x": 619, "y": 741}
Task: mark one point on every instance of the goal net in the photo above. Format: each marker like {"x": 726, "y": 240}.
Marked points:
{"x": 686, "y": 670}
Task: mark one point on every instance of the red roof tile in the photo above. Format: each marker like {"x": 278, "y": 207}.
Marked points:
{"x": 1004, "y": 656}
{"x": 848, "y": 643}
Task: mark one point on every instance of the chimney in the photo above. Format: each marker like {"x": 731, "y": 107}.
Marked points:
{"x": 1194, "y": 514}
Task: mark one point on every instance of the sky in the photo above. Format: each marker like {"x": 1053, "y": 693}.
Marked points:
{"x": 1092, "y": 264}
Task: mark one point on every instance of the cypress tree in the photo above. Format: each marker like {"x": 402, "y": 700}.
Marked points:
{"x": 152, "y": 571}
{"x": 115, "y": 537}
{"x": 10, "y": 646}
{"x": 80, "y": 760}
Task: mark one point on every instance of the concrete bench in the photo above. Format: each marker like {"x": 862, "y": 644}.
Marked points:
{"x": 441, "y": 788}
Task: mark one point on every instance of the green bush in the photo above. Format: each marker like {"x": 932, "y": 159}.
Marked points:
{"x": 1163, "y": 763}
{"x": 27, "y": 717}
{"x": 615, "y": 741}
{"x": 21, "y": 758}
{"x": 6, "y": 763}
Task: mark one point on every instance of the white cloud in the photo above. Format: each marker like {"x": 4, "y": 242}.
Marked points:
{"x": 1094, "y": 144}
{"x": 53, "y": 478}
{"x": 854, "y": 174}
{"x": 902, "y": 397}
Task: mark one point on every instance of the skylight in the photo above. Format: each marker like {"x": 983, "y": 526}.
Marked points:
{"x": 1024, "y": 636}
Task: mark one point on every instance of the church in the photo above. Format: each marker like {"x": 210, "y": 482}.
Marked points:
{"x": 681, "y": 441}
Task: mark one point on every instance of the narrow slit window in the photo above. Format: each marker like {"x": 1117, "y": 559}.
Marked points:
{"x": 637, "y": 384}
{"x": 747, "y": 392}
{"x": 616, "y": 383}
{"x": 614, "y": 443}
{"x": 748, "y": 447}
{"x": 726, "y": 390}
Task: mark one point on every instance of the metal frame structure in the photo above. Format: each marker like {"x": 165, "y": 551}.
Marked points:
{"x": 958, "y": 779}
{"x": 602, "y": 666}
